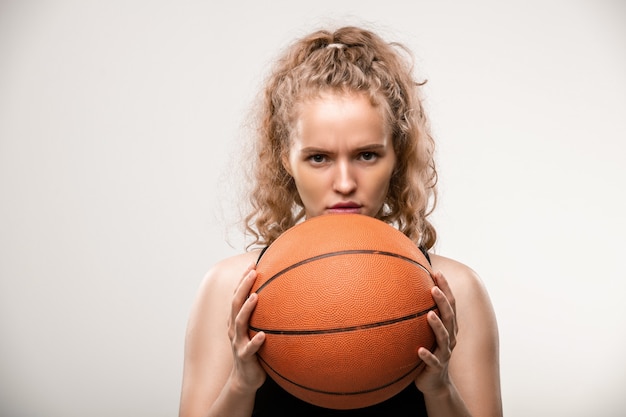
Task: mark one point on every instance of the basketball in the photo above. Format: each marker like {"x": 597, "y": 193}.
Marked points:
{"x": 343, "y": 300}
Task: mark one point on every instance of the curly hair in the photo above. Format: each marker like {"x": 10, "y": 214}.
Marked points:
{"x": 348, "y": 60}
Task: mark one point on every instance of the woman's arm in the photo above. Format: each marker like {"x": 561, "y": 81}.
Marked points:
{"x": 462, "y": 376}
{"x": 221, "y": 373}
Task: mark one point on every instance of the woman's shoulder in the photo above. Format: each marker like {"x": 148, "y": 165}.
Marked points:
{"x": 454, "y": 270}
{"x": 224, "y": 276}
{"x": 473, "y": 303}
{"x": 460, "y": 276}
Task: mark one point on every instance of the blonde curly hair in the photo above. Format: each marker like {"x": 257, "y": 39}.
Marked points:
{"x": 347, "y": 60}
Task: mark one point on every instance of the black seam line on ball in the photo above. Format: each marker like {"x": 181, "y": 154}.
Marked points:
{"x": 344, "y": 329}
{"x": 339, "y": 253}
{"x": 338, "y": 393}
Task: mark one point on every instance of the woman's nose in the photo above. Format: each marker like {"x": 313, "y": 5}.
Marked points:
{"x": 345, "y": 182}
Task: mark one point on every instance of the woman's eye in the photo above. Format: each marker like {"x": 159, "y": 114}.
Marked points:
{"x": 318, "y": 159}
{"x": 368, "y": 156}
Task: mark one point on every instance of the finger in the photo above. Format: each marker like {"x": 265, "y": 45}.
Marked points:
{"x": 447, "y": 315}
{"x": 243, "y": 277}
{"x": 444, "y": 348}
{"x": 253, "y": 346}
{"x": 242, "y": 317}
{"x": 443, "y": 304}
{"x": 243, "y": 290}
{"x": 429, "y": 359}
{"x": 248, "y": 346}
{"x": 442, "y": 283}
{"x": 239, "y": 299}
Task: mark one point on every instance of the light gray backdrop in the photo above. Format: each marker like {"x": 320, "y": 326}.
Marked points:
{"x": 119, "y": 122}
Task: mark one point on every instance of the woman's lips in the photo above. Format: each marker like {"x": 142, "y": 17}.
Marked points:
{"x": 345, "y": 208}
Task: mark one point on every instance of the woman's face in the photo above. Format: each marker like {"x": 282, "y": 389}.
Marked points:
{"x": 341, "y": 155}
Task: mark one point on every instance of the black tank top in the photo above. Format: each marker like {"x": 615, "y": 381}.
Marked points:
{"x": 272, "y": 400}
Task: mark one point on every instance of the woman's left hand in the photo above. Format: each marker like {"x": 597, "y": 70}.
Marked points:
{"x": 434, "y": 377}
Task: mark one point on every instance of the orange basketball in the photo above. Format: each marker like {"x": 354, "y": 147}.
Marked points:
{"x": 343, "y": 300}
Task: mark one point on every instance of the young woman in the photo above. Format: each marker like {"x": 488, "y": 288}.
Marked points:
{"x": 341, "y": 130}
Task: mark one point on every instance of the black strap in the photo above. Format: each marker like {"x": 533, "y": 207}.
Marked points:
{"x": 261, "y": 254}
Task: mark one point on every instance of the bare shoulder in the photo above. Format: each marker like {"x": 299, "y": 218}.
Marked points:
{"x": 224, "y": 276}
{"x": 477, "y": 325}
{"x": 211, "y": 308}
{"x": 463, "y": 280}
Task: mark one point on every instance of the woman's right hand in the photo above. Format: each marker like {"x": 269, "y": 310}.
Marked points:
{"x": 247, "y": 374}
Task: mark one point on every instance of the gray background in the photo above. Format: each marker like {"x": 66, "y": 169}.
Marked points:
{"x": 120, "y": 124}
